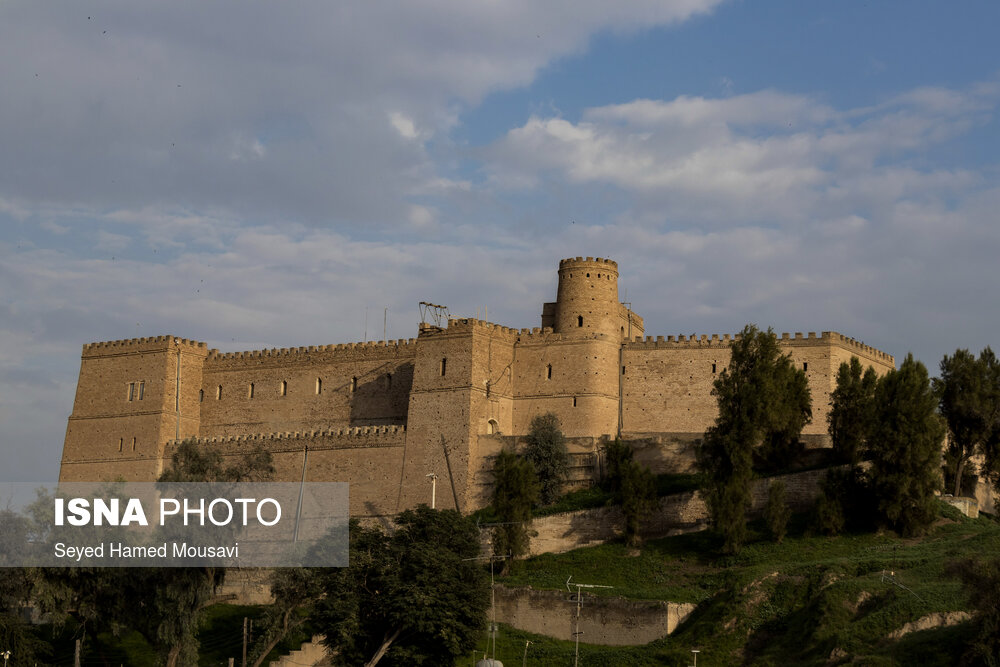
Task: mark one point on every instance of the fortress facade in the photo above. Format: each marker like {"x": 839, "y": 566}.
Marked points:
{"x": 384, "y": 415}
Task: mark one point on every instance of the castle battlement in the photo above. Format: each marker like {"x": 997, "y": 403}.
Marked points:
{"x": 127, "y": 345}
{"x": 785, "y": 339}
{"x": 349, "y": 432}
{"x": 571, "y": 261}
{"x": 344, "y": 351}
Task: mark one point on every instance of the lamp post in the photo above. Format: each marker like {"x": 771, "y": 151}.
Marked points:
{"x": 696, "y": 652}
{"x": 6, "y": 657}
{"x": 434, "y": 484}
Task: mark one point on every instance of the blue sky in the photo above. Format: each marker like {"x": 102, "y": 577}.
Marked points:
{"x": 260, "y": 174}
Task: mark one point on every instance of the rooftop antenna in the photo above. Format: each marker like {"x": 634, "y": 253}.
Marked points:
{"x": 579, "y": 604}
{"x": 435, "y": 312}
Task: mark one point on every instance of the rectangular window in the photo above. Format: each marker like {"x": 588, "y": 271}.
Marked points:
{"x": 121, "y": 443}
{"x": 250, "y": 391}
{"x": 142, "y": 390}
{"x": 574, "y": 401}
{"x": 131, "y": 391}
{"x": 133, "y": 444}
{"x": 319, "y": 386}
{"x": 444, "y": 366}
{"x": 805, "y": 366}
{"x": 284, "y": 388}
{"x": 201, "y": 395}
{"x": 713, "y": 368}
{"x": 623, "y": 370}
{"x": 218, "y": 393}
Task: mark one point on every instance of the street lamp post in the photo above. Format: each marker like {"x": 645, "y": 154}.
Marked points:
{"x": 696, "y": 652}
{"x": 6, "y": 657}
{"x": 434, "y": 484}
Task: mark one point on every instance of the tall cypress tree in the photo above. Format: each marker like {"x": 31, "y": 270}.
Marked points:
{"x": 906, "y": 448}
{"x": 852, "y": 410}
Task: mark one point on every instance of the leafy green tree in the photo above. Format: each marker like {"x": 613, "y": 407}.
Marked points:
{"x": 776, "y": 512}
{"x": 969, "y": 400}
{"x": 852, "y": 410}
{"x": 515, "y": 491}
{"x": 633, "y": 487}
{"x": 191, "y": 462}
{"x": 417, "y": 597}
{"x": 906, "y": 448}
{"x": 764, "y": 403}
{"x": 546, "y": 449}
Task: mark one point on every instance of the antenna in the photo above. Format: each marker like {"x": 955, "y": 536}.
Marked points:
{"x": 579, "y": 604}
{"x": 436, "y": 312}
{"x": 493, "y": 603}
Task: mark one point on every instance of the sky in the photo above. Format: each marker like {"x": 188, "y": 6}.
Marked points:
{"x": 273, "y": 174}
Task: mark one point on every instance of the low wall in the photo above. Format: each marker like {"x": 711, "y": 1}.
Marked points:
{"x": 603, "y": 620}
{"x": 674, "y": 515}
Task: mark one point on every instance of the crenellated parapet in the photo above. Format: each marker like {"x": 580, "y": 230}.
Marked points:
{"x": 135, "y": 345}
{"x": 471, "y": 324}
{"x": 784, "y": 339}
{"x": 404, "y": 347}
{"x": 596, "y": 261}
{"x": 355, "y": 437}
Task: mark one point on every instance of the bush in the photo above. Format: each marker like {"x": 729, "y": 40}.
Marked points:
{"x": 547, "y": 453}
{"x": 776, "y": 512}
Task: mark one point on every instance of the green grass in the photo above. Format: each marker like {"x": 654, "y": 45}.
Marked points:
{"x": 797, "y": 603}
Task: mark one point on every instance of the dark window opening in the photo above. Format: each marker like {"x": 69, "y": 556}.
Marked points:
{"x": 713, "y": 368}
{"x": 284, "y": 388}
{"x": 142, "y": 390}
{"x": 218, "y": 393}
{"x": 444, "y": 366}
{"x": 201, "y": 395}
{"x": 319, "y": 386}
{"x": 623, "y": 370}
{"x": 354, "y": 384}
{"x": 805, "y": 366}
{"x": 588, "y": 275}
{"x": 548, "y": 372}
{"x": 574, "y": 401}
{"x": 121, "y": 443}
{"x": 579, "y": 320}
{"x": 250, "y": 391}
{"x": 131, "y": 391}
{"x": 388, "y": 380}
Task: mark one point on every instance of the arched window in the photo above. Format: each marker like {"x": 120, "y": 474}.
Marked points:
{"x": 492, "y": 427}
{"x": 579, "y": 320}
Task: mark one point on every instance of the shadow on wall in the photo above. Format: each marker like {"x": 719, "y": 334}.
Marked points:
{"x": 381, "y": 396}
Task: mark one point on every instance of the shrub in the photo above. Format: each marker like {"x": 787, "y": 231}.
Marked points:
{"x": 776, "y": 512}
{"x": 546, "y": 451}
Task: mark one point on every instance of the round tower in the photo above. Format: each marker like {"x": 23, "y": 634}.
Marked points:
{"x": 587, "y": 299}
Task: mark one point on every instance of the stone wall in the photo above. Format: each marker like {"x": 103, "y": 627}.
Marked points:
{"x": 611, "y": 621}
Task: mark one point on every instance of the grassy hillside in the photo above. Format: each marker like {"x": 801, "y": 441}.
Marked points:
{"x": 808, "y": 601}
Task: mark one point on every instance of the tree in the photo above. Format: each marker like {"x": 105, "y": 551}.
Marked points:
{"x": 191, "y": 462}
{"x": 632, "y": 485}
{"x": 547, "y": 452}
{"x": 981, "y": 581}
{"x": 764, "y": 403}
{"x": 906, "y": 448}
{"x": 515, "y": 491}
{"x": 852, "y": 409}
{"x": 969, "y": 400}
{"x": 416, "y": 597}
{"x": 776, "y": 512}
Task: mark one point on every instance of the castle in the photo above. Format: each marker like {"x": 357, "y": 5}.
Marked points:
{"x": 383, "y": 416}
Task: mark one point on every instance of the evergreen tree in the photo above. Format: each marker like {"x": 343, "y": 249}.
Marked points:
{"x": 515, "y": 490}
{"x": 547, "y": 452}
{"x": 633, "y": 487}
{"x": 776, "y": 512}
{"x": 969, "y": 399}
{"x": 764, "y": 403}
{"x": 906, "y": 448}
{"x": 852, "y": 410}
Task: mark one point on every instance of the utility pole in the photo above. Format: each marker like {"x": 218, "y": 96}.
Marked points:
{"x": 579, "y": 604}
{"x": 493, "y": 607}
{"x": 76, "y": 654}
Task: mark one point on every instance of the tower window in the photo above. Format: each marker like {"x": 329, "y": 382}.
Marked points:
{"x": 588, "y": 275}
{"x": 444, "y": 365}
{"x": 121, "y": 443}
{"x": 805, "y": 366}
{"x": 574, "y": 401}
{"x": 284, "y": 388}
{"x": 250, "y": 391}
{"x": 319, "y": 386}
{"x": 713, "y": 368}
{"x": 623, "y": 370}
{"x": 131, "y": 391}
{"x": 548, "y": 372}
{"x": 142, "y": 390}
{"x": 218, "y": 393}
{"x": 579, "y": 320}
{"x": 133, "y": 443}
{"x": 354, "y": 384}
{"x": 201, "y": 395}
